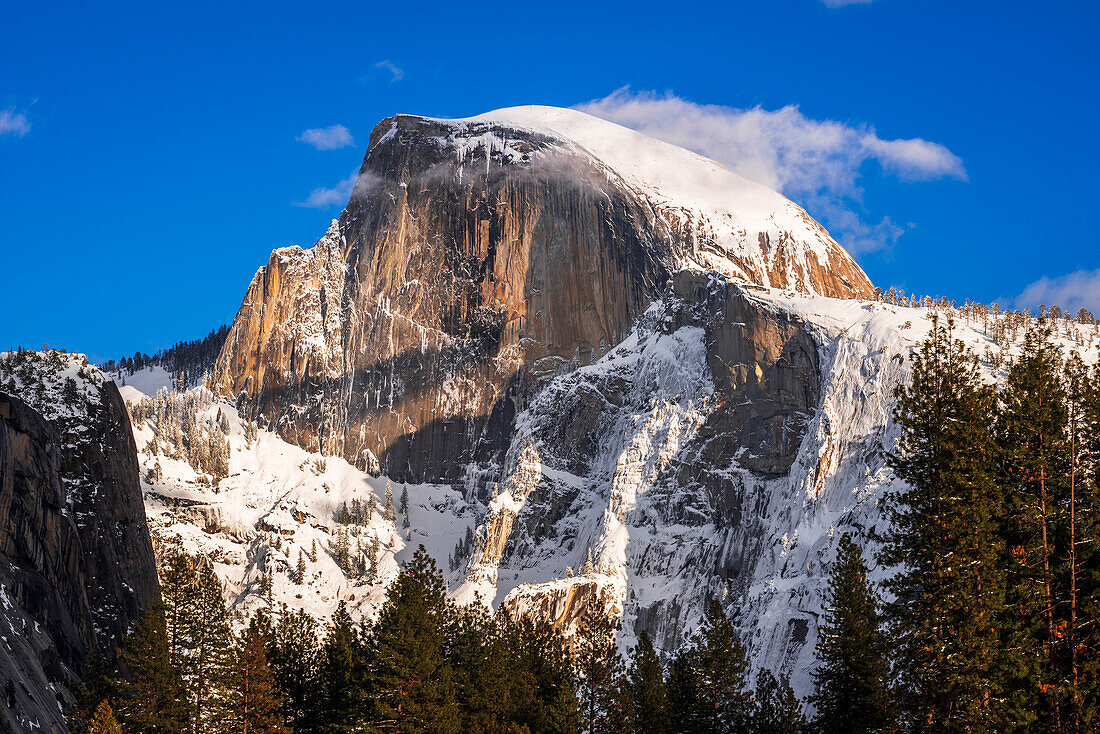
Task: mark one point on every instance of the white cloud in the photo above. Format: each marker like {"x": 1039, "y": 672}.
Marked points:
{"x": 1077, "y": 290}
{"x": 14, "y": 123}
{"x": 915, "y": 159}
{"x": 396, "y": 73}
{"x": 842, "y": 3}
{"x": 816, "y": 162}
{"x": 327, "y": 138}
{"x": 338, "y": 195}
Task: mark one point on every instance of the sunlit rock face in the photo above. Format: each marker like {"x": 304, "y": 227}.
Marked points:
{"x": 478, "y": 259}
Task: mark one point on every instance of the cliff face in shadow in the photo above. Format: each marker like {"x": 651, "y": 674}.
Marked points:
{"x": 79, "y": 565}
{"x": 43, "y": 576}
{"x": 473, "y": 262}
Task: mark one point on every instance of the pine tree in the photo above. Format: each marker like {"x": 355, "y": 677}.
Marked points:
{"x": 852, "y": 676}
{"x": 1031, "y": 431}
{"x": 944, "y": 540}
{"x": 413, "y": 681}
{"x": 300, "y": 568}
{"x": 342, "y": 675}
{"x": 375, "y": 549}
{"x": 178, "y": 590}
{"x": 209, "y": 646}
{"x": 295, "y": 657}
{"x": 404, "y": 506}
{"x": 648, "y": 692}
{"x": 154, "y": 700}
{"x": 562, "y": 713}
{"x": 600, "y": 672}
{"x": 720, "y": 669}
{"x": 1082, "y": 530}
{"x": 253, "y": 700}
{"x": 387, "y": 509}
{"x": 778, "y": 710}
{"x": 1086, "y": 640}
{"x": 103, "y": 721}
{"x": 96, "y": 687}
{"x": 69, "y": 394}
{"x": 539, "y": 653}
{"x": 686, "y": 711}
{"x": 341, "y": 550}
{"x": 494, "y": 691}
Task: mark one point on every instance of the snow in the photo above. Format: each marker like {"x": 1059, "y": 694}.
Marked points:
{"x": 772, "y": 565}
{"x": 143, "y": 382}
{"x": 278, "y": 501}
{"x": 670, "y": 173}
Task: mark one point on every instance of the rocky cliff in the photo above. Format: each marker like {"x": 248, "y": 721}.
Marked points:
{"x": 80, "y": 566}
{"x": 617, "y": 380}
{"x": 476, "y": 260}
{"x": 654, "y": 382}
{"x": 44, "y": 606}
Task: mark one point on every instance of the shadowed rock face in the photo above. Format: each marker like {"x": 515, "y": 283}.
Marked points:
{"x": 43, "y": 574}
{"x": 472, "y": 263}
{"x": 103, "y": 483}
{"x": 78, "y": 566}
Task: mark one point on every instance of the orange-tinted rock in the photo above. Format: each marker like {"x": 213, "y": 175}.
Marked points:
{"x": 455, "y": 282}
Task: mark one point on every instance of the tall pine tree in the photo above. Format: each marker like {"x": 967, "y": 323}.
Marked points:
{"x": 600, "y": 674}
{"x": 413, "y": 682}
{"x": 852, "y": 676}
{"x": 254, "y": 704}
{"x": 154, "y": 700}
{"x": 342, "y": 673}
{"x": 295, "y": 655}
{"x": 1086, "y": 637}
{"x": 778, "y": 710}
{"x": 944, "y": 540}
{"x": 647, "y": 690}
{"x": 718, "y": 668}
{"x": 1032, "y": 431}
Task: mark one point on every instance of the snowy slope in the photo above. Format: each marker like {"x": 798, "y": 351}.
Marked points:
{"x": 280, "y": 502}
{"x": 649, "y": 549}
{"x": 623, "y": 536}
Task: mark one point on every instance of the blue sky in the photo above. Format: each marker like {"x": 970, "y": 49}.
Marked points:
{"x": 152, "y": 157}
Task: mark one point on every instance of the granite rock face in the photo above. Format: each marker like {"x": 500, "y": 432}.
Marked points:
{"x": 651, "y": 464}
{"x": 475, "y": 261}
{"x": 72, "y": 524}
{"x": 43, "y": 575}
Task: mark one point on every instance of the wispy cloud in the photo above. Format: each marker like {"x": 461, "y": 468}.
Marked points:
{"x": 341, "y": 193}
{"x": 842, "y": 3}
{"x": 327, "y": 138}
{"x": 816, "y": 162}
{"x": 323, "y": 198}
{"x": 396, "y": 72}
{"x": 1074, "y": 291}
{"x": 14, "y": 123}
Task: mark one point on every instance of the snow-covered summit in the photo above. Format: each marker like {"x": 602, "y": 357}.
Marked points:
{"x": 737, "y": 227}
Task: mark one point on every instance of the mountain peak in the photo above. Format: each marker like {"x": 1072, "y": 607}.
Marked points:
{"x": 719, "y": 221}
